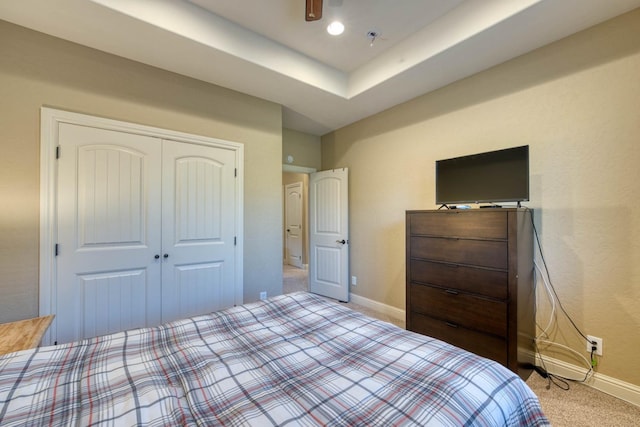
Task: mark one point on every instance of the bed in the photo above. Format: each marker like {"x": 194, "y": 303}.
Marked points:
{"x": 293, "y": 360}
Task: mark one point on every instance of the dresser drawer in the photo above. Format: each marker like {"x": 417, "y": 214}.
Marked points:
{"x": 481, "y": 344}
{"x": 491, "y": 283}
{"x": 476, "y": 224}
{"x": 483, "y": 253}
{"x": 461, "y": 309}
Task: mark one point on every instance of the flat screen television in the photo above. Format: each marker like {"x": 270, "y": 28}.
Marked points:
{"x": 491, "y": 177}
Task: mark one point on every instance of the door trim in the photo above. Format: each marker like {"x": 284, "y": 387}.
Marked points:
{"x": 50, "y": 119}
{"x": 298, "y": 169}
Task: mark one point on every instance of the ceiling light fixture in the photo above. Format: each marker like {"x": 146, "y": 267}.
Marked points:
{"x": 335, "y": 28}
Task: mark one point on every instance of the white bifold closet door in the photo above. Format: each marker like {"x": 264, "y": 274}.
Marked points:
{"x": 145, "y": 231}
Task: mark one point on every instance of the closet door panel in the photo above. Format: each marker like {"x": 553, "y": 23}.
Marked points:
{"x": 195, "y": 287}
{"x": 198, "y": 229}
{"x": 108, "y": 225}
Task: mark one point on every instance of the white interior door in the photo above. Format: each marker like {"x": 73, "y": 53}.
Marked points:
{"x": 293, "y": 224}
{"x": 198, "y": 229}
{"x": 108, "y": 226}
{"x": 329, "y": 233}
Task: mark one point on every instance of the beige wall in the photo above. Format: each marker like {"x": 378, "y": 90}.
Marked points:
{"x": 306, "y": 152}
{"x": 577, "y": 104}
{"x": 304, "y": 148}
{"x": 37, "y": 70}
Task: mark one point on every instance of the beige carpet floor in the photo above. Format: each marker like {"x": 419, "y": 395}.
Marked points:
{"x": 580, "y": 406}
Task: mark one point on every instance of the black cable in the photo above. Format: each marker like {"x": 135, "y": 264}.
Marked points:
{"x": 546, "y": 269}
{"x": 558, "y": 380}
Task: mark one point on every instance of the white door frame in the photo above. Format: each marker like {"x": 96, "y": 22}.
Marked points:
{"x": 298, "y": 169}
{"x": 50, "y": 119}
{"x": 308, "y": 171}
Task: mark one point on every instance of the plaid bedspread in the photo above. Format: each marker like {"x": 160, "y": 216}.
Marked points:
{"x": 296, "y": 360}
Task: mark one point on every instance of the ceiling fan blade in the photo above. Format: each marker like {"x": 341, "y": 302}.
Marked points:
{"x": 313, "y": 11}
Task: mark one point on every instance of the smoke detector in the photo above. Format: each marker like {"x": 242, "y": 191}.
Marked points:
{"x": 372, "y": 35}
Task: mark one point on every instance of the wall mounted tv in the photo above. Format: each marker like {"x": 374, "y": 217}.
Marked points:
{"x": 491, "y": 177}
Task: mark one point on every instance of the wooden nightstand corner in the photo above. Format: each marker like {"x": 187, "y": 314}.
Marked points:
{"x": 23, "y": 334}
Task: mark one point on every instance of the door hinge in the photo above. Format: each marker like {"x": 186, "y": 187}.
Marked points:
{"x": 55, "y": 250}
{"x": 58, "y": 152}
{"x": 235, "y": 172}
{"x": 235, "y": 240}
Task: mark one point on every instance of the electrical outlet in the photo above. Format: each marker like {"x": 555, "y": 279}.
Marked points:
{"x": 263, "y": 295}
{"x": 354, "y": 281}
{"x": 598, "y": 345}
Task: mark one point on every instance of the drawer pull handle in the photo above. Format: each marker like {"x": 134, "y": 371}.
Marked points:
{"x": 452, "y": 292}
{"x": 451, "y": 325}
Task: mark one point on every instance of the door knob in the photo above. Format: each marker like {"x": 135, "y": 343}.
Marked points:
{"x": 341, "y": 241}
{"x": 166, "y": 255}
{"x": 157, "y": 256}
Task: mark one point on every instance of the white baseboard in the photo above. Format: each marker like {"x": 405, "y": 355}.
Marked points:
{"x": 391, "y": 311}
{"x": 606, "y": 384}
{"x": 304, "y": 266}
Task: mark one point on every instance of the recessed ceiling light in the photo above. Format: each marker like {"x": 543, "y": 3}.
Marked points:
{"x": 335, "y": 28}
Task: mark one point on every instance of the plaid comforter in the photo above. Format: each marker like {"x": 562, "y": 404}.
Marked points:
{"x": 296, "y": 360}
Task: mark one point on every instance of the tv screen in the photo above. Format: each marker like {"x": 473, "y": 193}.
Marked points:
{"x": 495, "y": 176}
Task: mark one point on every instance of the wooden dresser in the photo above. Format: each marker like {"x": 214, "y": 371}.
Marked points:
{"x": 470, "y": 281}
